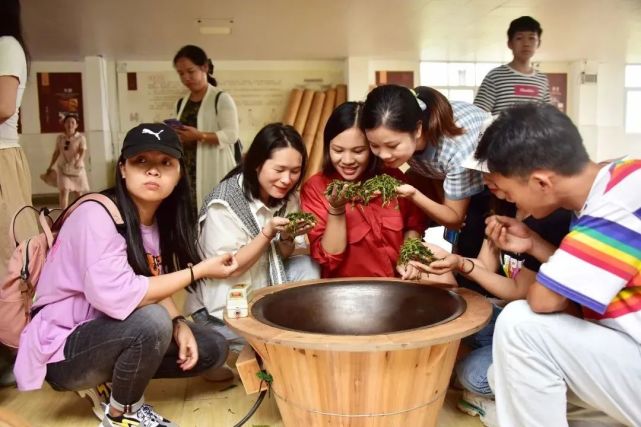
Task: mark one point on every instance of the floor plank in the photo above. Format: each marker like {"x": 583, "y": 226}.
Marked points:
{"x": 191, "y": 402}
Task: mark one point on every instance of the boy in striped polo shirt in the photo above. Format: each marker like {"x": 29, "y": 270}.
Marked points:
{"x": 517, "y": 81}
{"x": 550, "y": 366}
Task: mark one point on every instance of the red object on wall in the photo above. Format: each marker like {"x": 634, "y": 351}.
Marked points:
{"x": 401, "y": 78}
{"x": 558, "y": 84}
{"x": 59, "y": 94}
{"x": 132, "y": 81}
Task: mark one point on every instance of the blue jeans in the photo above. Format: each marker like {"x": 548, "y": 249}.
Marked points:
{"x": 129, "y": 353}
{"x": 472, "y": 370}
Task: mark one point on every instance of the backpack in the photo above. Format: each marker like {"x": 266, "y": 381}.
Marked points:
{"x": 25, "y": 265}
{"x": 238, "y": 146}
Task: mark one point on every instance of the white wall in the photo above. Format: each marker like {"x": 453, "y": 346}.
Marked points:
{"x": 597, "y": 109}
{"x": 108, "y": 109}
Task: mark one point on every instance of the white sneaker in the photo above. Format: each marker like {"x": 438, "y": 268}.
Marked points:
{"x": 99, "y": 398}
{"x": 474, "y": 404}
{"x": 143, "y": 417}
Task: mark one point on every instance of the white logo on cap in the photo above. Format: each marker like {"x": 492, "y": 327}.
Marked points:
{"x": 157, "y": 135}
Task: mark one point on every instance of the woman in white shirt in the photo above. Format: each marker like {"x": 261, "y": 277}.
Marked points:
{"x": 208, "y": 125}
{"x": 245, "y": 215}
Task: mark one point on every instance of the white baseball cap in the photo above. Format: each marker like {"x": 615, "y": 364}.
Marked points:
{"x": 471, "y": 163}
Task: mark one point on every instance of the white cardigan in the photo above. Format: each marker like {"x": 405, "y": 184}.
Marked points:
{"x": 214, "y": 161}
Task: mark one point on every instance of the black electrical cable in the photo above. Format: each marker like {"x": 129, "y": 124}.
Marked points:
{"x": 253, "y": 409}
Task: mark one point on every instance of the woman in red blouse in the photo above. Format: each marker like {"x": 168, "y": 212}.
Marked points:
{"x": 359, "y": 240}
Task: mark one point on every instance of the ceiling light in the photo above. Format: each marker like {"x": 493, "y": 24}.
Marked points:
{"x": 217, "y": 27}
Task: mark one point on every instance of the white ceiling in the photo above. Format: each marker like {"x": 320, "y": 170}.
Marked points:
{"x": 465, "y": 30}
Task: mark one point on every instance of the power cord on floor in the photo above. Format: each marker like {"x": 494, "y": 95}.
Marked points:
{"x": 264, "y": 378}
{"x": 254, "y": 408}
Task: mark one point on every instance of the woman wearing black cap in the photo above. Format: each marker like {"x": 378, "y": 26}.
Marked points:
{"x": 103, "y": 306}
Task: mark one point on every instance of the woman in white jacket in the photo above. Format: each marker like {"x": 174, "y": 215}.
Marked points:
{"x": 208, "y": 122}
{"x": 246, "y": 215}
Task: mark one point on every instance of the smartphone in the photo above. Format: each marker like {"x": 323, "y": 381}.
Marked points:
{"x": 174, "y": 123}
{"x": 451, "y": 235}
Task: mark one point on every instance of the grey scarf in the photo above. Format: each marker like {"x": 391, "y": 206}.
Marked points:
{"x": 229, "y": 192}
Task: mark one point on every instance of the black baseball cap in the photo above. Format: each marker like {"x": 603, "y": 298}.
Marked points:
{"x": 152, "y": 137}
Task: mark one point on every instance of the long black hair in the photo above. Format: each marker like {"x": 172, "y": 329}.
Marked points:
{"x": 176, "y": 225}
{"x": 11, "y": 25}
{"x": 270, "y": 138}
{"x": 198, "y": 56}
{"x": 344, "y": 117}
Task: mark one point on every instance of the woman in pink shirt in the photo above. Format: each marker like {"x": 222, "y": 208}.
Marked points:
{"x": 103, "y": 310}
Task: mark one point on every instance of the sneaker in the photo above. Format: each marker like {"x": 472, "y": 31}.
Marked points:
{"x": 143, "y": 417}
{"x": 474, "y": 404}
{"x": 99, "y": 398}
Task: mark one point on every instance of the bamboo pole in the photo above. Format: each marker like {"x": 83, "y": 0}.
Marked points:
{"x": 303, "y": 110}
{"x": 341, "y": 95}
{"x": 312, "y": 120}
{"x": 315, "y": 162}
{"x": 293, "y": 105}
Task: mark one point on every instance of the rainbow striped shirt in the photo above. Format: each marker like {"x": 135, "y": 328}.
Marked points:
{"x": 598, "y": 263}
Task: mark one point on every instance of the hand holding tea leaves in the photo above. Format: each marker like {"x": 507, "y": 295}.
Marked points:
{"x": 355, "y": 192}
{"x": 405, "y": 191}
{"x": 338, "y": 194}
{"x": 382, "y": 185}
{"x": 299, "y": 223}
{"x": 274, "y": 226}
{"x": 451, "y": 262}
{"x": 413, "y": 249}
{"x": 349, "y": 191}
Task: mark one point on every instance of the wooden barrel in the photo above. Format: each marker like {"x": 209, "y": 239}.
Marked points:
{"x": 395, "y": 378}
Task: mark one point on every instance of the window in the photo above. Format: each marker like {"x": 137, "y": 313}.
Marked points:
{"x": 633, "y": 98}
{"x": 458, "y": 81}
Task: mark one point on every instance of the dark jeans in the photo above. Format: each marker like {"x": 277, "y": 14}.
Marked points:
{"x": 129, "y": 353}
{"x": 472, "y": 235}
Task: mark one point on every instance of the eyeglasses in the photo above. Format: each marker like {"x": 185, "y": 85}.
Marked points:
{"x": 67, "y": 142}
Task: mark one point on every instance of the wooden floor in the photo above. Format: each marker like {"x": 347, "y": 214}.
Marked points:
{"x": 191, "y": 402}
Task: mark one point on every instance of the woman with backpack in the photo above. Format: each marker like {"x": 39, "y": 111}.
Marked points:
{"x": 208, "y": 122}
{"x": 103, "y": 310}
{"x": 246, "y": 214}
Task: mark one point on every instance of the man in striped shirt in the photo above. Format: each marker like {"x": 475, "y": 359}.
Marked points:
{"x": 517, "y": 81}
{"x": 550, "y": 366}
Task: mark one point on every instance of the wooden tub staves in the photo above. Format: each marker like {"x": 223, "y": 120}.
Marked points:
{"x": 360, "y": 352}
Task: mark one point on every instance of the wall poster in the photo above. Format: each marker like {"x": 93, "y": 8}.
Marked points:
{"x": 59, "y": 94}
{"x": 558, "y": 84}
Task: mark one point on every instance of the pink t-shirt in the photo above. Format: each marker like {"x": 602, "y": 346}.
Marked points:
{"x": 86, "y": 275}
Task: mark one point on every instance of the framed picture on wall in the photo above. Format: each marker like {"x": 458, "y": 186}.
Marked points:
{"x": 558, "y": 84}
{"x": 59, "y": 94}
